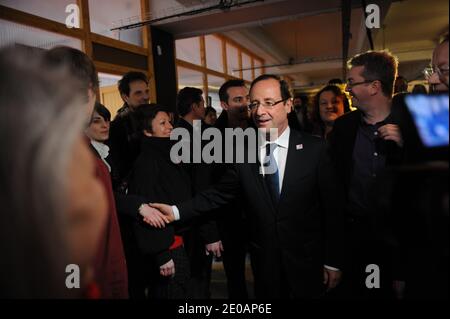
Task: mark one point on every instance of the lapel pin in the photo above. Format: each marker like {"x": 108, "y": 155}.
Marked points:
{"x": 299, "y": 147}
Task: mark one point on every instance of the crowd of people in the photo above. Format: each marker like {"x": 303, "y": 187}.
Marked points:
{"x": 106, "y": 196}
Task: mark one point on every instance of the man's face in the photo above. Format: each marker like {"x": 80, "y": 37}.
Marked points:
{"x": 237, "y": 104}
{"x": 211, "y": 118}
{"x": 361, "y": 93}
{"x": 439, "y": 83}
{"x": 139, "y": 94}
{"x": 297, "y": 102}
{"x": 268, "y": 91}
{"x": 198, "y": 109}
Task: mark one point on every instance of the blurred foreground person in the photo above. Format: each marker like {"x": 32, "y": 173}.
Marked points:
{"x": 110, "y": 265}
{"x": 53, "y": 207}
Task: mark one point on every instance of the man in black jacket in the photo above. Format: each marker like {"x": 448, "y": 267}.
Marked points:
{"x": 363, "y": 143}
{"x": 202, "y": 241}
{"x": 234, "y": 99}
{"x": 124, "y": 136}
{"x": 294, "y": 214}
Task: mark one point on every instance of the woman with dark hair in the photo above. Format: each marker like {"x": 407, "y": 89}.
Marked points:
{"x": 329, "y": 103}
{"x": 210, "y": 116}
{"x": 161, "y": 259}
{"x": 98, "y": 131}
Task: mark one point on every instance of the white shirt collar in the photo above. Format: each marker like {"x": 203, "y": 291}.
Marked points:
{"x": 102, "y": 149}
{"x": 281, "y": 141}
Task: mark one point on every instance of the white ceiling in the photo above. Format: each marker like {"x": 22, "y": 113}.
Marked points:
{"x": 309, "y": 33}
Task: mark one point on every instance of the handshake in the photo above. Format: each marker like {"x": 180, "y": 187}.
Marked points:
{"x": 157, "y": 215}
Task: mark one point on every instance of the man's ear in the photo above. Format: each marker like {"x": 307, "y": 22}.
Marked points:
{"x": 288, "y": 105}
{"x": 376, "y": 87}
{"x": 224, "y": 105}
{"x": 124, "y": 97}
{"x": 147, "y": 133}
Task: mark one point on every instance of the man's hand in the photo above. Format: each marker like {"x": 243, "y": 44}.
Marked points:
{"x": 165, "y": 210}
{"x": 152, "y": 216}
{"x": 391, "y": 132}
{"x": 331, "y": 278}
{"x": 168, "y": 269}
{"x": 215, "y": 248}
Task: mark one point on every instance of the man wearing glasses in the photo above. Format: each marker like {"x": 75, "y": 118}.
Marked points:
{"x": 437, "y": 73}
{"x": 294, "y": 207}
{"x": 363, "y": 143}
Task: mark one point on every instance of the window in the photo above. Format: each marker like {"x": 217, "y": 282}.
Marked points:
{"x": 213, "y": 47}
{"x": 50, "y": 9}
{"x": 105, "y": 15}
{"x": 109, "y": 92}
{"x": 188, "y": 50}
{"x": 232, "y": 60}
{"x": 14, "y": 33}
{"x": 258, "y": 67}
{"x": 246, "y": 64}
{"x": 188, "y": 77}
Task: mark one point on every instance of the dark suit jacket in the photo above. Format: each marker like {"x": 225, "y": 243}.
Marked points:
{"x": 289, "y": 242}
{"x": 201, "y": 176}
{"x": 157, "y": 179}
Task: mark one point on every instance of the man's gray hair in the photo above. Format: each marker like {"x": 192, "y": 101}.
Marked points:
{"x": 40, "y": 119}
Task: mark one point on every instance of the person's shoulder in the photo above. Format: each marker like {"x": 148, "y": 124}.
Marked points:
{"x": 305, "y": 138}
{"x": 349, "y": 118}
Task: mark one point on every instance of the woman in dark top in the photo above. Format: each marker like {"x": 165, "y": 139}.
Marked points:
{"x": 155, "y": 177}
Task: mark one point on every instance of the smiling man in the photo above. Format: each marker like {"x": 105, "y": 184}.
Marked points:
{"x": 437, "y": 74}
{"x": 123, "y": 141}
{"x": 363, "y": 143}
{"x": 294, "y": 211}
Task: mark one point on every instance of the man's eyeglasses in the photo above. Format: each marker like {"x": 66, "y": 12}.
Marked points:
{"x": 268, "y": 105}
{"x": 353, "y": 84}
{"x": 431, "y": 69}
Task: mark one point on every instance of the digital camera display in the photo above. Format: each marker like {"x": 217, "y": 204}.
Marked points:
{"x": 430, "y": 114}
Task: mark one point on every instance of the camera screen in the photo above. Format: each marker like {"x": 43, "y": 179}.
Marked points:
{"x": 430, "y": 114}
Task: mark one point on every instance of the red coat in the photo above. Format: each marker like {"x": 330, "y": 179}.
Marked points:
{"x": 110, "y": 266}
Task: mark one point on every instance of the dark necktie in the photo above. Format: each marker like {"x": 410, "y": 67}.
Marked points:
{"x": 271, "y": 174}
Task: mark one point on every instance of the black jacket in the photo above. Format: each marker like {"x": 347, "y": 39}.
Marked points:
{"x": 157, "y": 179}
{"x": 201, "y": 176}
{"x": 342, "y": 142}
{"x": 124, "y": 143}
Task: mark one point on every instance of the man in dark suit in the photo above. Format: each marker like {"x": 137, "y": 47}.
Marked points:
{"x": 294, "y": 213}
